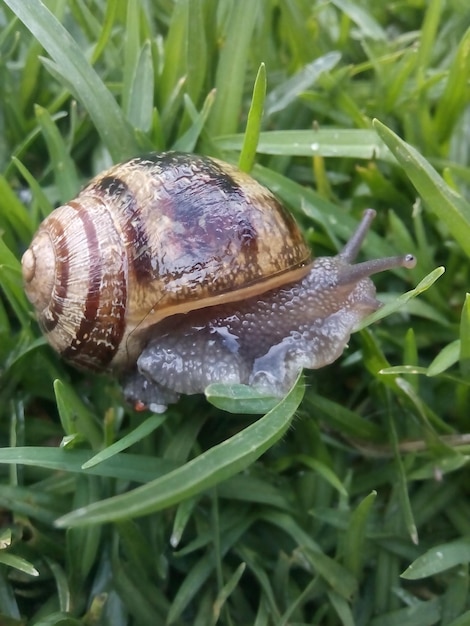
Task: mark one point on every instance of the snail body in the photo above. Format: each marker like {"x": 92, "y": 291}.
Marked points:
{"x": 177, "y": 271}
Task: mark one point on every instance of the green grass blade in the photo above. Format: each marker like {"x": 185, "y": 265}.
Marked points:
{"x": 283, "y": 95}
{"x": 354, "y": 539}
{"x": 449, "y": 206}
{"x": 262, "y": 579}
{"x": 342, "y": 609}
{"x": 11, "y": 284}
{"x": 447, "y": 357}
{"x": 202, "y": 569}
{"x": 335, "y": 574}
{"x": 37, "y": 505}
{"x": 13, "y": 216}
{"x": 400, "y": 301}
{"x": 78, "y": 76}
{"x": 74, "y": 415}
{"x": 368, "y": 25}
{"x": 205, "y": 471}
{"x": 187, "y": 142}
{"x": 142, "y": 430}
{"x": 174, "y": 69}
{"x": 454, "y": 99}
{"x": 325, "y": 142}
{"x": 238, "y": 398}
{"x": 419, "y": 613}
{"x": 343, "y": 419}
{"x": 325, "y": 472}
{"x": 464, "y": 357}
{"x": 402, "y": 485}
{"x": 253, "y": 124}
{"x": 18, "y": 563}
{"x": 196, "y": 48}
{"x": 103, "y": 41}
{"x": 131, "y": 467}
{"x": 226, "y": 591}
{"x": 62, "y": 585}
{"x": 64, "y": 167}
{"x": 140, "y": 107}
{"x": 438, "y": 559}
{"x": 232, "y": 67}
{"x": 132, "y": 52}
{"x": 43, "y": 203}
{"x": 428, "y": 36}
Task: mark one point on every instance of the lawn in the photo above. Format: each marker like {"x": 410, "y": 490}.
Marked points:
{"x": 345, "y": 502}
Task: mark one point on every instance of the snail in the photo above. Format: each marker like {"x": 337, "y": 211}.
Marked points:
{"x": 176, "y": 271}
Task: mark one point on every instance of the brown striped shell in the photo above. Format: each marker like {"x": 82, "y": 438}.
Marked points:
{"x": 157, "y": 235}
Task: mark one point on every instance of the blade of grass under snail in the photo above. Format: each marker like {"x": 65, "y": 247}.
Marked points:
{"x": 206, "y": 470}
{"x": 78, "y": 76}
{"x": 447, "y": 204}
{"x": 238, "y": 398}
{"x": 253, "y": 124}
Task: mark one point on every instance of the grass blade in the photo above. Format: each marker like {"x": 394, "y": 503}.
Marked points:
{"x": 78, "y": 76}
{"x": 142, "y": 430}
{"x": 203, "y": 472}
{"x": 325, "y": 142}
{"x": 64, "y": 167}
{"x": 449, "y": 206}
{"x": 439, "y": 559}
{"x": 253, "y": 125}
{"x": 232, "y": 67}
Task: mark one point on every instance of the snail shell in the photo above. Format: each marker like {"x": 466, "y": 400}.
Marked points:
{"x": 149, "y": 238}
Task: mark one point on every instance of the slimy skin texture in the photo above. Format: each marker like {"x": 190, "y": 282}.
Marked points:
{"x": 263, "y": 343}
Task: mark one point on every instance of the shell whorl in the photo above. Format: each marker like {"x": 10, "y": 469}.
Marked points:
{"x": 157, "y": 235}
{"x": 82, "y": 281}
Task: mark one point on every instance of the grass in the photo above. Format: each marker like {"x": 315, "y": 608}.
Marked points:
{"x": 347, "y": 503}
